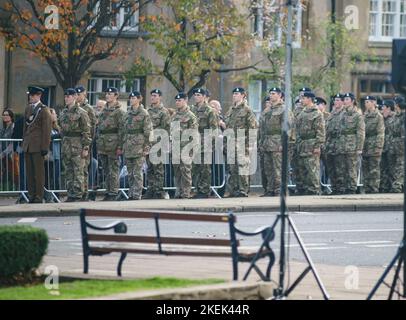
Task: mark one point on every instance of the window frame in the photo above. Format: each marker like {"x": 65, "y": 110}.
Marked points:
{"x": 120, "y": 19}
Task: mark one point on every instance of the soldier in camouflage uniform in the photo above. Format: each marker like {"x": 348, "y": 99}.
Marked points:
{"x": 270, "y": 141}
{"x": 135, "y": 138}
{"x": 240, "y": 116}
{"x": 84, "y": 104}
{"x": 182, "y": 120}
{"x": 108, "y": 142}
{"x": 373, "y": 145}
{"x": 156, "y": 171}
{"x": 388, "y": 117}
{"x": 260, "y": 150}
{"x": 332, "y": 139}
{"x": 75, "y": 130}
{"x": 207, "y": 120}
{"x": 350, "y": 144}
{"x": 396, "y": 147}
{"x": 310, "y": 136}
{"x": 322, "y": 105}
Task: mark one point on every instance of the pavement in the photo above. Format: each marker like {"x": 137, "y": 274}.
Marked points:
{"x": 254, "y": 203}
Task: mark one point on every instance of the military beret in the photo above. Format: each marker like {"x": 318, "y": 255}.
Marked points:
{"x": 181, "y": 95}
{"x": 309, "y": 94}
{"x": 320, "y": 100}
{"x": 275, "y": 89}
{"x": 239, "y": 89}
{"x": 370, "y": 98}
{"x": 338, "y": 96}
{"x": 80, "y": 89}
{"x": 35, "y": 90}
{"x": 349, "y": 95}
{"x": 305, "y": 89}
{"x": 156, "y": 91}
{"x": 111, "y": 89}
{"x": 135, "y": 94}
{"x": 199, "y": 90}
{"x": 70, "y": 92}
{"x": 399, "y": 99}
{"x": 390, "y": 104}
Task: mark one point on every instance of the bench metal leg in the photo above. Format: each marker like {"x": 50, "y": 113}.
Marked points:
{"x": 120, "y": 263}
{"x": 85, "y": 263}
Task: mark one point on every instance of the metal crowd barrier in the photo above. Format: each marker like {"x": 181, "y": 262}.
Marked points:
{"x": 13, "y": 177}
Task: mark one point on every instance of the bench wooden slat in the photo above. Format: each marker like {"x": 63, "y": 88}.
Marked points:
{"x": 166, "y": 215}
{"x": 164, "y": 240}
{"x": 165, "y": 252}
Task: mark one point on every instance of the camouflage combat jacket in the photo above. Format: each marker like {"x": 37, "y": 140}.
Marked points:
{"x": 374, "y": 133}
{"x": 397, "y": 129}
{"x": 75, "y": 130}
{"x": 310, "y": 131}
{"x": 135, "y": 132}
{"x": 182, "y": 120}
{"x": 110, "y": 120}
{"x": 92, "y": 117}
{"x": 332, "y": 132}
{"x": 352, "y": 131}
{"x": 206, "y": 118}
{"x": 388, "y": 134}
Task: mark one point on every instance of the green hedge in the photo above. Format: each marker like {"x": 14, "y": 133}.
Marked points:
{"x": 21, "y": 250}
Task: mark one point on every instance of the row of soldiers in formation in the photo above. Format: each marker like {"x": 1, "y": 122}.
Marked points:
{"x": 339, "y": 139}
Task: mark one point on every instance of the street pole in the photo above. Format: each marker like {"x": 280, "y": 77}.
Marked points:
{"x": 285, "y": 151}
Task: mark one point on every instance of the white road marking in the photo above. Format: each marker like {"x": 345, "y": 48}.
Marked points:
{"x": 309, "y": 245}
{"x": 382, "y": 245}
{"x": 369, "y": 242}
{"x": 325, "y": 248}
{"x": 27, "y": 220}
{"x": 350, "y": 231}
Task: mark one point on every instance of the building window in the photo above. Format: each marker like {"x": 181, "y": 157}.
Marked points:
{"x": 97, "y": 87}
{"x": 268, "y": 25}
{"x": 124, "y": 10}
{"x": 375, "y": 85}
{"x": 387, "y": 19}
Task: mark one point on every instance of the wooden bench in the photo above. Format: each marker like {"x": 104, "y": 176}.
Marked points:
{"x": 157, "y": 244}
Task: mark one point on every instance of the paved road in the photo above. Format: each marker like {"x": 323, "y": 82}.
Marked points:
{"x": 334, "y": 238}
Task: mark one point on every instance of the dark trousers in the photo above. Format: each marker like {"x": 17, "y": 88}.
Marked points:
{"x": 35, "y": 171}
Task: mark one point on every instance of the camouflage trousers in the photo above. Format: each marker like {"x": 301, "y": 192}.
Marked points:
{"x": 273, "y": 171}
{"x": 110, "y": 165}
{"x": 264, "y": 179}
{"x": 155, "y": 177}
{"x": 371, "y": 173}
{"x": 238, "y": 180}
{"x": 201, "y": 176}
{"x": 308, "y": 174}
{"x": 347, "y": 170}
{"x": 385, "y": 183}
{"x": 183, "y": 179}
{"x": 73, "y": 165}
{"x": 336, "y": 180}
{"x": 86, "y": 173}
{"x": 135, "y": 176}
{"x": 396, "y": 165}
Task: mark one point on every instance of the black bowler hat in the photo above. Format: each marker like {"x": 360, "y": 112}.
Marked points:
{"x": 135, "y": 94}
{"x": 239, "y": 89}
{"x": 320, "y": 100}
{"x": 111, "y": 89}
{"x": 70, "y": 92}
{"x": 309, "y": 94}
{"x": 349, "y": 95}
{"x": 181, "y": 95}
{"x": 305, "y": 89}
{"x": 199, "y": 90}
{"x": 35, "y": 90}
{"x": 372, "y": 98}
{"x": 80, "y": 89}
{"x": 275, "y": 89}
{"x": 156, "y": 91}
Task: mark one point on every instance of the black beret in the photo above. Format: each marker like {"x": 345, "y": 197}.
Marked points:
{"x": 275, "y": 89}
{"x": 349, "y": 95}
{"x": 370, "y": 98}
{"x": 239, "y": 89}
{"x": 35, "y": 90}
{"x": 305, "y": 89}
{"x": 181, "y": 95}
{"x": 399, "y": 99}
{"x": 111, "y": 89}
{"x": 390, "y": 104}
{"x": 135, "y": 94}
{"x": 320, "y": 100}
{"x": 70, "y": 92}
{"x": 156, "y": 91}
{"x": 308, "y": 94}
{"x": 80, "y": 89}
{"x": 338, "y": 96}
{"x": 199, "y": 90}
